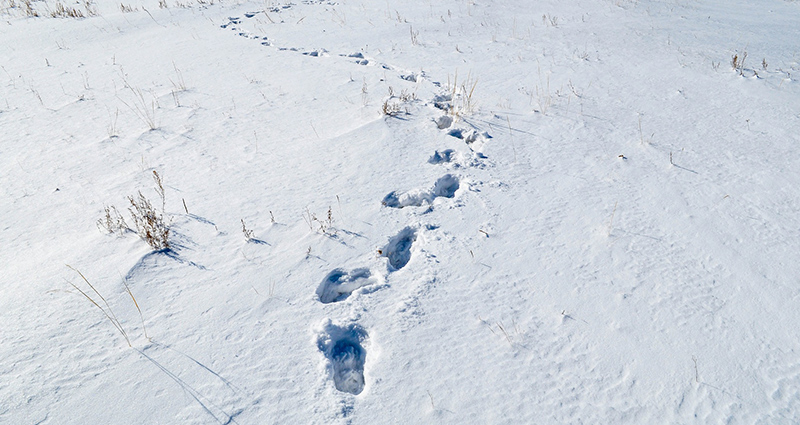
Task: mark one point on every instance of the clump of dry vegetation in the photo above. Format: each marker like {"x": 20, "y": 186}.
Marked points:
{"x": 324, "y": 225}
{"x": 149, "y": 223}
{"x": 62, "y": 11}
{"x": 393, "y": 105}
{"x": 737, "y": 62}
{"x": 461, "y": 101}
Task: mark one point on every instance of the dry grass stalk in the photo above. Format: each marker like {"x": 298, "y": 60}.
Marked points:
{"x": 113, "y": 222}
{"x": 160, "y": 189}
{"x": 461, "y": 101}
{"x": 107, "y": 310}
{"x": 248, "y": 234}
{"x": 146, "y": 111}
{"x": 128, "y": 290}
{"x": 737, "y": 63}
{"x": 324, "y": 226}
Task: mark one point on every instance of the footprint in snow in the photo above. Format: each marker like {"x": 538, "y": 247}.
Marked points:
{"x": 232, "y": 22}
{"x": 442, "y": 101}
{"x": 442, "y": 157}
{"x": 398, "y": 250}
{"x": 443, "y": 122}
{"x": 359, "y": 58}
{"x": 472, "y": 138}
{"x": 445, "y": 187}
{"x": 342, "y": 346}
{"x": 316, "y": 53}
{"x": 339, "y": 284}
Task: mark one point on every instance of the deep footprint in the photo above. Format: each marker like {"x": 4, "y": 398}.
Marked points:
{"x": 339, "y": 284}
{"x": 446, "y": 186}
{"x": 342, "y": 347}
{"x": 398, "y": 250}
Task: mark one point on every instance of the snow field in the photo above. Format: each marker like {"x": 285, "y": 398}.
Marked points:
{"x": 576, "y": 213}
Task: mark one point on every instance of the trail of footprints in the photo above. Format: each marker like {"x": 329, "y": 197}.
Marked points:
{"x": 474, "y": 140}
{"x": 343, "y": 345}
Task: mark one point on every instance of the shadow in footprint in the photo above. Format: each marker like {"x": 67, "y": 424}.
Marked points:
{"x": 458, "y": 133}
{"x": 446, "y": 186}
{"x": 342, "y": 347}
{"x": 398, "y": 250}
{"x": 339, "y": 284}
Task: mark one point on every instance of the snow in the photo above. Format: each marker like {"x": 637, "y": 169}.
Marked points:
{"x": 574, "y": 212}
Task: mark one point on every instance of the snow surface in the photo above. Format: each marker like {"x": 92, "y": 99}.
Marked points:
{"x": 604, "y": 228}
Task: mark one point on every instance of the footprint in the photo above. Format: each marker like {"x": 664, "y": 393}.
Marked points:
{"x": 316, "y": 53}
{"x": 442, "y": 157}
{"x": 465, "y": 135}
{"x": 474, "y": 140}
{"x": 359, "y": 58}
{"x": 444, "y": 121}
{"x": 446, "y": 186}
{"x": 413, "y": 198}
{"x": 339, "y": 284}
{"x": 442, "y": 102}
{"x": 341, "y": 345}
{"x": 398, "y": 250}
{"x": 232, "y": 21}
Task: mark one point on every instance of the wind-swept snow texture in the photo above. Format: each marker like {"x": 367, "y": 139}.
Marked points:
{"x": 502, "y": 212}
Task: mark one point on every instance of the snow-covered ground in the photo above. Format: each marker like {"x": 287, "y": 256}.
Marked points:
{"x": 462, "y": 211}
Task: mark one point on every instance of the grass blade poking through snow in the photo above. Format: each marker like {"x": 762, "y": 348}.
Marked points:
{"x": 128, "y": 289}
{"x": 107, "y": 311}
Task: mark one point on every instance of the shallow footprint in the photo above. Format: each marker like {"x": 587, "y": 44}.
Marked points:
{"x": 446, "y": 186}
{"x": 341, "y": 345}
{"x": 339, "y": 284}
{"x": 444, "y": 122}
{"x": 442, "y": 157}
{"x": 412, "y": 198}
{"x": 472, "y": 138}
